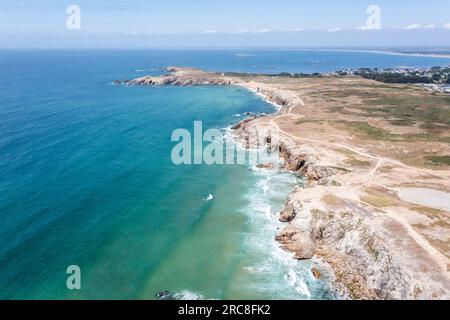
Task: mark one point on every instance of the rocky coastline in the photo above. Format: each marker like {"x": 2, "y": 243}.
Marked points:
{"x": 348, "y": 236}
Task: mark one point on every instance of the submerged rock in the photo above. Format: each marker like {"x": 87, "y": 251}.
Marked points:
{"x": 164, "y": 295}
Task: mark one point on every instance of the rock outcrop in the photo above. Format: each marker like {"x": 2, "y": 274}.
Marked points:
{"x": 276, "y": 98}
{"x": 316, "y": 273}
{"x": 243, "y": 123}
{"x": 266, "y": 166}
{"x": 306, "y": 166}
{"x": 180, "y": 77}
{"x": 355, "y": 249}
{"x": 290, "y": 211}
{"x": 297, "y": 242}
{"x": 164, "y": 295}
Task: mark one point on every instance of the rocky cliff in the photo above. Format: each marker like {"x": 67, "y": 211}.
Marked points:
{"x": 354, "y": 240}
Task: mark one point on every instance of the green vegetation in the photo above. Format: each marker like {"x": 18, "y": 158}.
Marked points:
{"x": 433, "y": 75}
{"x": 401, "y": 122}
{"x": 363, "y": 93}
{"x": 377, "y": 201}
{"x": 344, "y": 170}
{"x": 281, "y": 74}
{"x": 299, "y": 75}
{"x": 438, "y": 160}
{"x": 365, "y": 129}
{"x": 307, "y": 120}
{"x": 435, "y": 109}
{"x": 395, "y": 77}
{"x": 430, "y": 112}
{"x": 371, "y": 247}
{"x": 358, "y": 163}
{"x": 386, "y": 169}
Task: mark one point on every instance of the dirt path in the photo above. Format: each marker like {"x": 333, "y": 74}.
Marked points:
{"x": 438, "y": 257}
{"x": 359, "y": 152}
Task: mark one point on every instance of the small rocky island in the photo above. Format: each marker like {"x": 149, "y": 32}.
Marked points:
{"x": 180, "y": 77}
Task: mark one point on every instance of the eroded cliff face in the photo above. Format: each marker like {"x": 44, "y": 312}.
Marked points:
{"x": 306, "y": 165}
{"x": 363, "y": 266}
{"x": 277, "y": 97}
{"x": 358, "y": 243}
{"x": 353, "y": 239}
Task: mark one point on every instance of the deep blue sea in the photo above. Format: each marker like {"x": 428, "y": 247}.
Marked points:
{"x": 86, "y": 178}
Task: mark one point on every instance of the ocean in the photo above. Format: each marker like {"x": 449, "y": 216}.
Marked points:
{"x": 86, "y": 178}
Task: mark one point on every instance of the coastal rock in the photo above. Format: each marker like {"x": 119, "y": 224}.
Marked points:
{"x": 291, "y": 209}
{"x": 317, "y": 173}
{"x": 243, "y": 123}
{"x": 316, "y": 273}
{"x": 306, "y": 165}
{"x": 182, "y": 77}
{"x": 164, "y": 295}
{"x": 364, "y": 267}
{"x": 276, "y": 98}
{"x": 266, "y": 166}
{"x": 295, "y": 241}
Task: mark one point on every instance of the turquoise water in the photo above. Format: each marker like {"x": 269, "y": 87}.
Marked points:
{"x": 86, "y": 179}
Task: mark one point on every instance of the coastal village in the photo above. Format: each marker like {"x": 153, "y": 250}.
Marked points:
{"x": 435, "y": 79}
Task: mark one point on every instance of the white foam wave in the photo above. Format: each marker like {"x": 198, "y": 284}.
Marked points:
{"x": 147, "y": 70}
{"x": 278, "y": 274}
{"x": 188, "y": 295}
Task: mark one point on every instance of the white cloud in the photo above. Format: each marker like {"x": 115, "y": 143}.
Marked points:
{"x": 241, "y": 31}
{"x": 296, "y": 30}
{"x": 430, "y": 26}
{"x": 252, "y": 31}
{"x": 209, "y": 31}
{"x": 334, "y": 30}
{"x": 366, "y": 28}
{"x": 412, "y": 27}
{"x": 447, "y": 26}
{"x": 262, "y": 30}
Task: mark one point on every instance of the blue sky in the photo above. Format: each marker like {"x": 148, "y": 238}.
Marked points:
{"x": 215, "y": 23}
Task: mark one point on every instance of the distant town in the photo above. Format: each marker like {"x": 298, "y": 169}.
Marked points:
{"x": 435, "y": 79}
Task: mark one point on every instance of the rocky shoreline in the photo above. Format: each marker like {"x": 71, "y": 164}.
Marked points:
{"x": 362, "y": 267}
{"x": 347, "y": 235}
